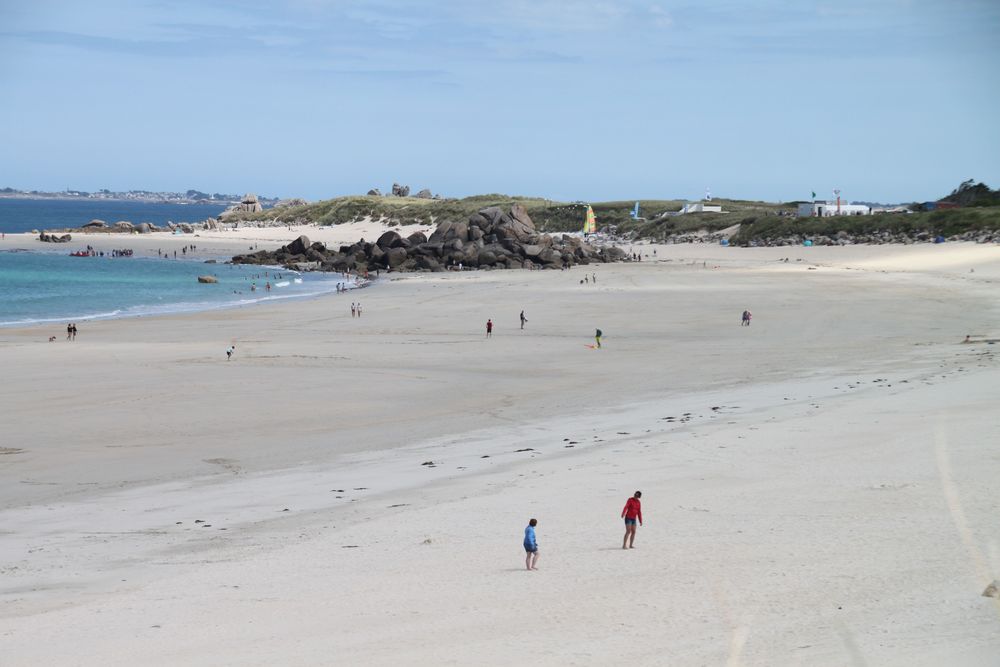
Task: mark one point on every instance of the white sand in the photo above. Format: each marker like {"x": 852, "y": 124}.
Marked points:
{"x": 839, "y": 507}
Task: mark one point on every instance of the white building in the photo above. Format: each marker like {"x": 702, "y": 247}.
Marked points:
{"x": 825, "y": 209}
{"x": 700, "y": 207}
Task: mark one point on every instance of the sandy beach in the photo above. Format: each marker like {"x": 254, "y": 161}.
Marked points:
{"x": 819, "y": 488}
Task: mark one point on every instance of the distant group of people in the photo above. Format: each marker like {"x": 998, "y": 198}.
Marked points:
{"x": 524, "y": 320}
{"x": 70, "y": 332}
{"x": 587, "y": 279}
{"x": 185, "y": 250}
{"x": 631, "y": 513}
{"x": 747, "y": 316}
{"x": 124, "y": 252}
{"x": 356, "y": 309}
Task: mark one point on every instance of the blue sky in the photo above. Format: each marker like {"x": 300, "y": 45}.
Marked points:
{"x": 888, "y": 100}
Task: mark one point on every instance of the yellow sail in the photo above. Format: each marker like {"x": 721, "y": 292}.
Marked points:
{"x": 590, "y": 224}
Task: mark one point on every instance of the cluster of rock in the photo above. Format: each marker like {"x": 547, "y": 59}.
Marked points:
{"x": 875, "y": 238}
{"x": 490, "y": 239}
{"x": 404, "y": 191}
{"x": 249, "y": 204}
{"x": 54, "y": 238}
{"x": 126, "y": 227}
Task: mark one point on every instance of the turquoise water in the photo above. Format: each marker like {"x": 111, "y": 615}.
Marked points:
{"x": 24, "y": 215}
{"x": 41, "y": 287}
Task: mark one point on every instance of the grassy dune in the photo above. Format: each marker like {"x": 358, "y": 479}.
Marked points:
{"x": 758, "y": 220}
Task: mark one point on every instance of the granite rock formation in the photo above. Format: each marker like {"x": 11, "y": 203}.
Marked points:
{"x": 491, "y": 239}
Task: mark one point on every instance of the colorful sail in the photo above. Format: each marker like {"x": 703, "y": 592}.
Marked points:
{"x": 590, "y": 224}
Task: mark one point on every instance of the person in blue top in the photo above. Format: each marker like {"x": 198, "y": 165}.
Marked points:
{"x": 531, "y": 546}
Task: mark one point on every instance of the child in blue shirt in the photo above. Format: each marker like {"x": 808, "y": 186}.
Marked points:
{"x": 531, "y": 546}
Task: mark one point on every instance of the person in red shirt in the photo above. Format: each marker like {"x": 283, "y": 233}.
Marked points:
{"x": 632, "y": 513}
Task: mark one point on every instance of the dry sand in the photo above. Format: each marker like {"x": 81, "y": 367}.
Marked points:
{"x": 818, "y": 488}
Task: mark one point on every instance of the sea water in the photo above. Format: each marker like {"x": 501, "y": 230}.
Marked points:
{"x": 50, "y": 287}
{"x": 25, "y": 215}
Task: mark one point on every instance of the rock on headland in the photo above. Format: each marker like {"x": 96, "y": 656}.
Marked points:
{"x": 491, "y": 239}
{"x": 249, "y": 204}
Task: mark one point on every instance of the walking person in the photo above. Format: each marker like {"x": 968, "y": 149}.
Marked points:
{"x": 69, "y": 331}
{"x": 531, "y": 546}
{"x": 746, "y": 318}
{"x": 73, "y": 331}
{"x": 489, "y": 328}
{"x": 597, "y": 337}
{"x": 354, "y": 310}
{"x": 632, "y": 512}
{"x": 359, "y": 309}
{"x": 229, "y": 352}
{"x": 523, "y": 319}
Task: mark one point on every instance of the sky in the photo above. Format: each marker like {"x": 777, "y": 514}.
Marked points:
{"x": 886, "y": 100}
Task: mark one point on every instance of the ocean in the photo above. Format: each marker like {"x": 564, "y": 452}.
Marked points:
{"x": 24, "y": 215}
{"x": 52, "y": 287}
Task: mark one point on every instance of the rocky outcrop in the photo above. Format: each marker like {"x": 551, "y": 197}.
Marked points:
{"x": 53, "y": 238}
{"x": 400, "y": 190}
{"x": 95, "y": 224}
{"x": 208, "y": 279}
{"x": 425, "y": 194}
{"x": 374, "y": 192}
{"x": 490, "y": 239}
{"x": 249, "y": 204}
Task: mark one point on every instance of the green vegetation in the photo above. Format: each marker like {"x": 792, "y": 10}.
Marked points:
{"x": 948, "y": 222}
{"x": 974, "y": 194}
{"x": 548, "y": 215}
{"x": 757, "y": 220}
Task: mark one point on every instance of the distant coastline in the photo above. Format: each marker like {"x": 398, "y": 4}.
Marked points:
{"x": 145, "y": 196}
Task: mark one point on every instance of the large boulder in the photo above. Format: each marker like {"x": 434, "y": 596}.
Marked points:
{"x": 388, "y": 240}
{"x": 459, "y": 230}
{"x": 400, "y": 190}
{"x": 479, "y": 221}
{"x": 531, "y": 250}
{"x": 487, "y": 257}
{"x": 124, "y": 226}
{"x": 416, "y": 238}
{"x": 516, "y": 224}
{"x": 144, "y": 228}
{"x": 425, "y": 194}
{"x": 299, "y": 246}
{"x": 211, "y": 280}
{"x": 374, "y": 192}
{"x": 395, "y": 257}
{"x": 95, "y": 224}
{"x": 439, "y": 234}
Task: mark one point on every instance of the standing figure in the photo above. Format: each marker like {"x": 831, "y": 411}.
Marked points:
{"x": 523, "y": 319}
{"x": 746, "y": 318}
{"x": 489, "y": 328}
{"x": 597, "y": 337}
{"x": 531, "y": 546}
{"x": 631, "y": 513}
{"x": 354, "y": 310}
